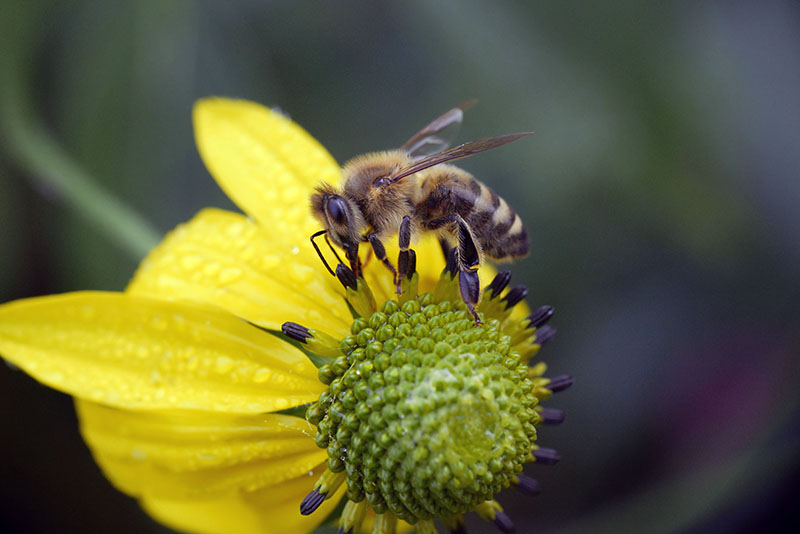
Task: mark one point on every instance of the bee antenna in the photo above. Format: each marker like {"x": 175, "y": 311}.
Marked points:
{"x": 319, "y": 252}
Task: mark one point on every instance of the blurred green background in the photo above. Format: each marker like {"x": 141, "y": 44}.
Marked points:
{"x": 661, "y": 192}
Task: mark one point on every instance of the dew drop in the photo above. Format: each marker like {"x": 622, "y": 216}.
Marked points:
{"x": 159, "y": 322}
{"x": 300, "y": 273}
{"x": 262, "y": 375}
{"x": 211, "y": 269}
{"x": 191, "y": 262}
{"x": 229, "y": 275}
{"x": 223, "y": 365}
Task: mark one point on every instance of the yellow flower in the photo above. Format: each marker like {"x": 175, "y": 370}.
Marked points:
{"x": 178, "y": 380}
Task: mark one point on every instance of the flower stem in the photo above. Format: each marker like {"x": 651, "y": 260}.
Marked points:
{"x": 35, "y": 150}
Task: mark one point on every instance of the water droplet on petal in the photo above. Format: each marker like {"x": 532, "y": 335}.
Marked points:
{"x": 262, "y": 375}
{"x": 223, "y": 365}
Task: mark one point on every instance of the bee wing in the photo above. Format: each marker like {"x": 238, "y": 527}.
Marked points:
{"x": 460, "y": 151}
{"x": 439, "y": 134}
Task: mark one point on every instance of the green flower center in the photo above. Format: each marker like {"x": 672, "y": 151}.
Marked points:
{"x": 428, "y": 414}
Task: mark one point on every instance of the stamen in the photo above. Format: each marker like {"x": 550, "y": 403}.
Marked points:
{"x": 409, "y": 288}
{"x": 318, "y": 342}
{"x": 499, "y": 283}
{"x": 515, "y": 295}
{"x": 492, "y": 511}
{"x": 352, "y": 517}
{"x": 295, "y": 331}
{"x": 541, "y": 316}
{"x": 527, "y": 485}
{"x": 425, "y": 526}
{"x": 544, "y": 334}
{"x": 346, "y": 276}
{"x": 504, "y": 523}
{"x": 560, "y": 383}
{"x": 551, "y": 416}
{"x": 447, "y": 287}
{"x": 312, "y": 501}
{"x": 537, "y": 370}
{"x": 492, "y": 306}
{"x": 326, "y": 485}
{"x": 323, "y": 344}
{"x": 546, "y": 456}
{"x": 385, "y": 523}
{"x": 358, "y": 293}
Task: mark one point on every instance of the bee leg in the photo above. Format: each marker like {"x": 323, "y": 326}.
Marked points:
{"x": 380, "y": 253}
{"x": 446, "y": 248}
{"x": 469, "y": 259}
{"x": 352, "y": 256}
{"x": 407, "y": 259}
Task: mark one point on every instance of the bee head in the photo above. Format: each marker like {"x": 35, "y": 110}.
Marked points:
{"x": 340, "y": 216}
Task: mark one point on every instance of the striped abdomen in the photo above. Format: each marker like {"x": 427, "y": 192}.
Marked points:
{"x": 495, "y": 225}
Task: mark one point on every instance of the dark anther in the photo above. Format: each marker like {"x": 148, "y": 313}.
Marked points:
{"x": 452, "y": 263}
{"x": 343, "y": 531}
{"x": 546, "y": 456}
{"x": 515, "y": 295}
{"x": 528, "y": 485}
{"x": 499, "y": 283}
{"x": 295, "y": 331}
{"x": 544, "y": 335}
{"x": 541, "y": 316}
{"x": 552, "y": 416}
{"x": 503, "y": 522}
{"x": 346, "y": 276}
{"x": 460, "y": 529}
{"x": 560, "y": 383}
{"x": 311, "y": 502}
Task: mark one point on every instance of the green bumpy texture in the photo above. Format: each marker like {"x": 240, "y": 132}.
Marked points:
{"x": 428, "y": 414}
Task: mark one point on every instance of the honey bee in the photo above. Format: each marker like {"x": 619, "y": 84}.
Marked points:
{"x": 412, "y": 190}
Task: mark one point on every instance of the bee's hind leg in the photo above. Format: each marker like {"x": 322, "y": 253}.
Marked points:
{"x": 407, "y": 259}
{"x": 469, "y": 259}
{"x": 380, "y": 253}
{"x": 446, "y": 248}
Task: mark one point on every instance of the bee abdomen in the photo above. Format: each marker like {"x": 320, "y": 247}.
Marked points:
{"x": 497, "y": 226}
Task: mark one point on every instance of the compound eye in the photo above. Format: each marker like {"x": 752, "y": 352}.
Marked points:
{"x": 337, "y": 210}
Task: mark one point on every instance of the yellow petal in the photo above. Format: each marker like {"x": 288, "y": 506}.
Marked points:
{"x": 208, "y": 472}
{"x": 241, "y": 514}
{"x": 185, "y": 454}
{"x": 265, "y": 162}
{"x": 140, "y": 353}
{"x": 226, "y": 259}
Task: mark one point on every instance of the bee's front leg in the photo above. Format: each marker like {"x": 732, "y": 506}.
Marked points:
{"x": 407, "y": 259}
{"x": 380, "y": 253}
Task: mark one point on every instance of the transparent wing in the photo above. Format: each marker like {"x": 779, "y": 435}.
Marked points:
{"x": 439, "y": 134}
{"x": 460, "y": 151}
